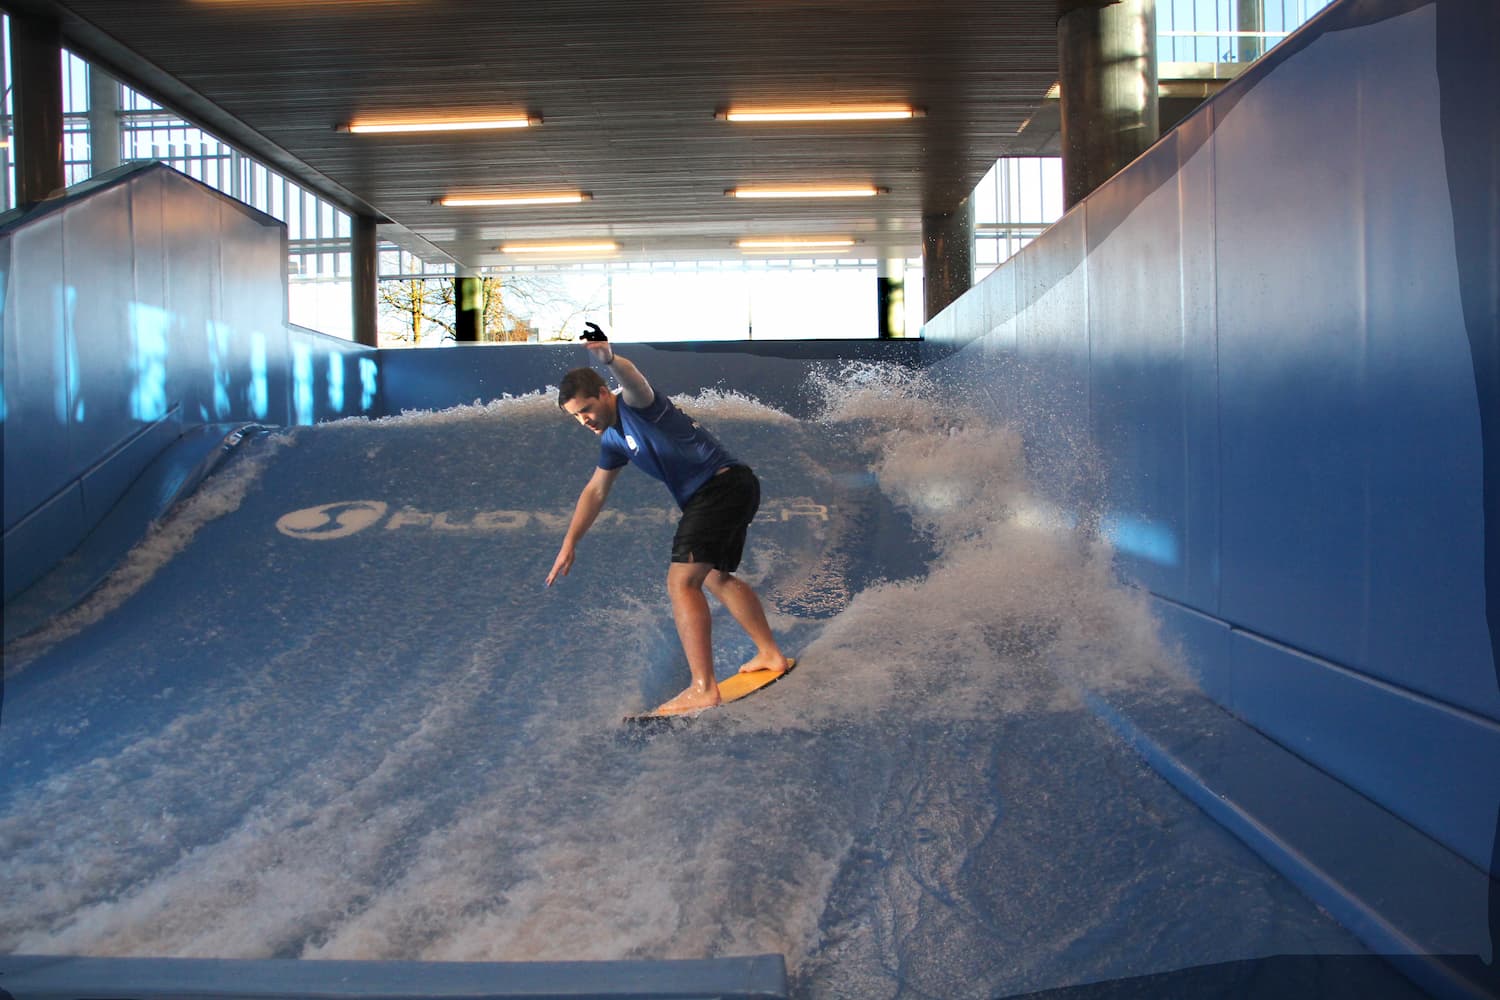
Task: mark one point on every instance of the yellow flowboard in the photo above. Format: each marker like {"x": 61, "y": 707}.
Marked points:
{"x": 733, "y": 688}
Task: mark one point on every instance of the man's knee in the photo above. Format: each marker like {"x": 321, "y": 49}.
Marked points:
{"x": 717, "y": 580}
{"x": 688, "y": 576}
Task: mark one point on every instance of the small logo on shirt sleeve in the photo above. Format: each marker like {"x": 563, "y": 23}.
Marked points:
{"x": 630, "y": 443}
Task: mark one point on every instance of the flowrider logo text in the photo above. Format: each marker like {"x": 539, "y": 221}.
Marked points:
{"x": 349, "y": 517}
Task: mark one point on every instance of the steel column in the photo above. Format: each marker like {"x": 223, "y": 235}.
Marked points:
{"x": 890, "y": 299}
{"x": 366, "y": 277}
{"x": 468, "y": 306}
{"x": 947, "y": 257}
{"x": 1107, "y": 63}
{"x": 36, "y": 65}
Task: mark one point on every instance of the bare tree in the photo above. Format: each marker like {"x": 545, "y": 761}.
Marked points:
{"x": 500, "y": 322}
{"x": 515, "y": 304}
{"x": 424, "y": 306}
{"x": 535, "y": 297}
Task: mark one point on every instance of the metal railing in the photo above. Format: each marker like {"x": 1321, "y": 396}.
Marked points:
{"x": 319, "y": 233}
{"x": 1226, "y": 30}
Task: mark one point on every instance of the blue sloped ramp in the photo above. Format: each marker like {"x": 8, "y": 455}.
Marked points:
{"x": 330, "y": 712}
{"x": 32, "y": 978}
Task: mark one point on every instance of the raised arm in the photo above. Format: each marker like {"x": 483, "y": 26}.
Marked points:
{"x": 636, "y": 391}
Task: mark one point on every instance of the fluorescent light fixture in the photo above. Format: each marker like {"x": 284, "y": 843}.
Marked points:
{"x": 828, "y": 114}
{"x": 807, "y": 191}
{"x": 602, "y": 246}
{"x": 441, "y": 125}
{"x": 254, "y": 5}
{"x": 794, "y": 243}
{"x": 514, "y": 200}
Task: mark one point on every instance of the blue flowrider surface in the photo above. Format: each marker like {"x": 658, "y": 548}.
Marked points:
{"x": 330, "y": 711}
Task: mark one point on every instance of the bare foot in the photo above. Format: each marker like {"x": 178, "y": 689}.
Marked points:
{"x": 763, "y": 661}
{"x": 691, "y": 700}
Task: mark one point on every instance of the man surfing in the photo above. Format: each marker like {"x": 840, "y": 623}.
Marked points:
{"x": 718, "y": 494}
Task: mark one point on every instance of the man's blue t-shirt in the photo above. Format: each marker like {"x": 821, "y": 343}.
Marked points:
{"x": 667, "y": 444}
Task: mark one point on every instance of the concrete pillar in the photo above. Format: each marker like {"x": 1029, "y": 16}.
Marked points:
{"x": 104, "y": 121}
{"x": 1252, "y": 17}
{"x": 890, "y": 299}
{"x": 1107, "y": 64}
{"x": 947, "y": 257}
{"x": 36, "y": 68}
{"x": 366, "y": 277}
{"x": 6, "y": 152}
{"x": 468, "y": 306}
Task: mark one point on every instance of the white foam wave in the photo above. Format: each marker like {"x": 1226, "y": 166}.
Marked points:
{"x": 506, "y": 407}
{"x": 727, "y": 404}
{"x": 1019, "y": 611}
{"x": 710, "y": 402}
{"x": 570, "y": 853}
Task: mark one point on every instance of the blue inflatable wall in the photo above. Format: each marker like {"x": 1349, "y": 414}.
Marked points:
{"x": 1262, "y": 360}
{"x": 141, "y": 306}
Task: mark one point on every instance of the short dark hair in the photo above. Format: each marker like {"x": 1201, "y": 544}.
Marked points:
{"x": 579, "y": 382}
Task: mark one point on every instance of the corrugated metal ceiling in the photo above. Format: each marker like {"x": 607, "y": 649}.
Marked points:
{"x": 627, "y": 94}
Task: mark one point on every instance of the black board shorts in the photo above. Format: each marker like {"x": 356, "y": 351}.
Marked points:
{"x": 713, "y": 525}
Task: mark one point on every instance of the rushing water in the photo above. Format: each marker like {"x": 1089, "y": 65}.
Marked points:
{"x": 330, "y": 711}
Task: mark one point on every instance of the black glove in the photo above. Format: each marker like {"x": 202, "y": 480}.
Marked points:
{"x": 593, "y": 334}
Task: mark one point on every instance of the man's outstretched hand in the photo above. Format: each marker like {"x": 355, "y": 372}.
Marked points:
{"x": 597, "y": 343}
{"x": 561, "y": 564}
